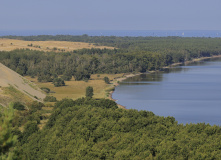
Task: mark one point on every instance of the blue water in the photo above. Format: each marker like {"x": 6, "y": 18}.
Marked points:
{"x": 191, "y": 94}
{"x": 121, "y": 33}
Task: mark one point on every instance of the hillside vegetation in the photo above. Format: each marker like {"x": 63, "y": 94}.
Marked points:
{"x": 96, "y": 129}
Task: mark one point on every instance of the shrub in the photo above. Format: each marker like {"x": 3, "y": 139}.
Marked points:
{"x": 35, "y": 97}
{"x": 45, "y": 89}
{"x": 50, "y": 99}
{"x": 18, "y": 106}
{"x": 36, "y": 106}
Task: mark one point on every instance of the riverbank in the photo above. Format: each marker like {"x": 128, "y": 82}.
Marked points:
{"x": 191, "y": 61}
{"x": 116, "y": 81}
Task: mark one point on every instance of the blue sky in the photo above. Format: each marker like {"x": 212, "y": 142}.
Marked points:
{"x": 110, "y": 15}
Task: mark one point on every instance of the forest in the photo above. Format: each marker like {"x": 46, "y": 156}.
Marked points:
{"x": 131, "y": 54}
{"x": 89, "y": 128}
{"x": 96, "y": 129}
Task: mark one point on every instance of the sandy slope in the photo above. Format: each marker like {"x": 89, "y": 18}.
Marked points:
{"x": 9, "y": 77}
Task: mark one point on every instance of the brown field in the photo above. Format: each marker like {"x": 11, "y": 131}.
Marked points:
{"x": 76, "y": 89}
{"x": 12, "y": 44}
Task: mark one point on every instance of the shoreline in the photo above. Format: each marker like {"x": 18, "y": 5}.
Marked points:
{"x": 116, "y": 81}
{"x": 191, "y": 61}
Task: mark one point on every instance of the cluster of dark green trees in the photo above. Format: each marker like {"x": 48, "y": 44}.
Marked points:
{"x": 132, "y": 54}
{"x": 96, "y": 129}
{"x": 13, "y": 117}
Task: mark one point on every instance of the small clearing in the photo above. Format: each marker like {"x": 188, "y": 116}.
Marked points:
{"x": 76, "y": 89}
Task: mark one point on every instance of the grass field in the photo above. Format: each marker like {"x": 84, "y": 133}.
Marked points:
{"x": 11, "y": 44}
{"x": 76, "y": 89}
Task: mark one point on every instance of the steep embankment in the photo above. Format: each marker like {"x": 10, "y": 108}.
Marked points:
{"x": 10, "y": 78}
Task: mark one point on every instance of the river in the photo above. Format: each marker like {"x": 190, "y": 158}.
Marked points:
{"x": 191, "y": 93}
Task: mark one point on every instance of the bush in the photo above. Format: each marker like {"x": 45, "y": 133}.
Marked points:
{"x": 36, "y": 106}
{"x": 50, "y": 99}
{"x": 45, "y": 89}
{"x": 35, "y": 97}
{"x": 19, "y": 106}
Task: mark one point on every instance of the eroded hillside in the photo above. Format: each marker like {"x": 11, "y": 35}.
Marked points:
{"x": 11, "y": 82}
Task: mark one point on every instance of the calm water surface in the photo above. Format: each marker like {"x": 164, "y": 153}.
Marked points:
{"x": 191, "y": 94}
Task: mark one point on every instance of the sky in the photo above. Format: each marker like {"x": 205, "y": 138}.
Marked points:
{"x": 110, "y": 15}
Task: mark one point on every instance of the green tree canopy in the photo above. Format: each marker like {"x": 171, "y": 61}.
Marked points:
{"x": 89, "y": 92}
{"x": 58, "y": 82}
{"x": 7, "y": 138}
{"x": 106, "y": 80}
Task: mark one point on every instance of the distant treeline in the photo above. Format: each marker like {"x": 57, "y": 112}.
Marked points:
{"x": 96, "y": 129}
{"x": 132, "y": 54}
{"x": 132, "y": 43}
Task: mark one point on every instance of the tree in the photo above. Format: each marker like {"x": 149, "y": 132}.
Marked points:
{"x": 30, "y": 128}
{"x": 106, "y": 80}
{"x": 89, "y": 92}
{"x": 7, "y": 139}
{"x": 67, "y": 77}
{"x": 58, "y": 82}
{"x": 81, "y": 74}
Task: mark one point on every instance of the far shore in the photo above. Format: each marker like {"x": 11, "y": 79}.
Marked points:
{"x": 191, "y": 61}
{"x": 116, "y": 81}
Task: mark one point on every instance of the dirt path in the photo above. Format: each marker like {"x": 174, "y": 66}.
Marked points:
{"x": 9, "y": 77}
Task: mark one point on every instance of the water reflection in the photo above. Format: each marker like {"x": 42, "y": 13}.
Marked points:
{"x": 149, "y": 78}
{"x": 190, "y": 93}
